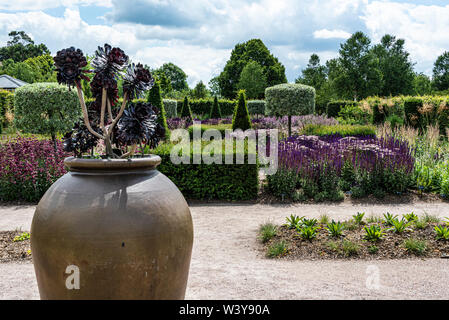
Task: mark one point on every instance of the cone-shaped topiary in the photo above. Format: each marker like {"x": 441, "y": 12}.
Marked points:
{"x": 155, "y": 98}
{"x": 241, "y": 119}
{"x": 215, "y": 112}
{"x": 185, "y": 111}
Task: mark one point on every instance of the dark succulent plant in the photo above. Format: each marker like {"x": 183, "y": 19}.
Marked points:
{"x": 104, "y": 80}
{"x": 138, "y": 124}
{"x": 123, "y": 126}
{"x": 69, "y": 65}
{"x": 109, "y": 60}
{"x": 137, "y": 80}
{"x": 80, "y": 140}
{"x": 94, "y": 111}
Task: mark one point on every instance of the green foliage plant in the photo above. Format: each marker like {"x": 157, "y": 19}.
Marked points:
{"x": 267, "y": 231}
{"x": 45, "y": 108}
{"x": 277, "y": 249}
{"x": 289, "y": 100}
{"x": 442, "y": 232}
{"x": 335, "y": 229}
{"x": 373, "y": 233}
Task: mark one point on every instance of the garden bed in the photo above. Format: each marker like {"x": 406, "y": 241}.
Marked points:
{"x": 14, "y": 246}
{"x": 418, "y": 240}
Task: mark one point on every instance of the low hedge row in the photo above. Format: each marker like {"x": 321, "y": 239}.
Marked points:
{"x": 334, "y": 107}
{"x": 256, "y": 106}
{"x": 221, "y": 128}
{"x": 416, "y": 111}
{"x": 340, "y": 130}
{"x": 204, "y": 106}
{"x": 230, "y": 182}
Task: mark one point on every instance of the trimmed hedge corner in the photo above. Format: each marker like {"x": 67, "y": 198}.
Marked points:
{"x": 211, "y": 181}
{"x": 256, "y": 107}
{"x": 46, "y": 108}
{"x": 204, "y": 106}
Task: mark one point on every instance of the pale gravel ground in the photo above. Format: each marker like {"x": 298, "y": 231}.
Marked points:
{"x": 227, "y": 264}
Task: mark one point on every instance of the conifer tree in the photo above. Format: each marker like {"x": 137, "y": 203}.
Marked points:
{"x": 186, "y": 112}
{"x": 241, "y": 119}
{"x": 155, "y": 98}
{"x": 215, "y": 112}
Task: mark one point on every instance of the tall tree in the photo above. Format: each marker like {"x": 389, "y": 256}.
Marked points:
{"x": 253, "y": 80}
{"x": 441, "y": 72}
{"x": 20, "y": 70}
{"x": 155, "y": 98}
{"x": 44, "y": 67}
{"x": 395, "y": 65}
{"x": 175, "y": 74}
{"x": 315, "y": 75}
{"x": 357, "y": 72}
{"x": 214, "y": 86}
{"x": 21, "y": 47}
{"x": 422, "y": 85}
{"x": 241, "y": 55}
{"x": 200, "y": 91}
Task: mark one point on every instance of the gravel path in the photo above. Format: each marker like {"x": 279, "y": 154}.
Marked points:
{"x": 226, "y": 262}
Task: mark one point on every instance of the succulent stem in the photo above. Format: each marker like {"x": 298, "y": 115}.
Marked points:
{"x": 84, "y": 109}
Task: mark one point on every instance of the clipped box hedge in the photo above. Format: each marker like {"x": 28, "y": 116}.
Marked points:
{"x": 204, "y": 106}
{"x": 256, "y": 106}
{"x": 170, "y": 108}
{"x": 232, "y": 182}
{"x": 220, "y": 127}
{"x": 45, "y": 108}
{"x": 290, "y": 99}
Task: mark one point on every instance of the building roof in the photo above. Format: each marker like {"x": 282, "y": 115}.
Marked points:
{"x": 8, "y": 82}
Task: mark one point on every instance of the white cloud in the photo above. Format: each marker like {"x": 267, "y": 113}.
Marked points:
{"x": 198, "y": 61}
{"x": 331, "y": 34}
{"x": 424, "y": 28}
{"x": 291, "y": 29}
{"x": 37, "y": 5}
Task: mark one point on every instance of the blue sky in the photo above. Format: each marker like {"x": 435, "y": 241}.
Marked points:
{"x": 198, "y": 35}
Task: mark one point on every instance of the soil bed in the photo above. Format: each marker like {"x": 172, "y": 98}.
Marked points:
{"x": 14, "y": 251}
{"x": 391, "y": 246}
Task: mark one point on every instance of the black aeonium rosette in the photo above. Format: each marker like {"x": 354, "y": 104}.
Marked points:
{"x": 108, "y": 62}
{"x": 69, "y": 65}
{"x": 138, "y": 124}
{"x": 137, "y": 80}
{"x": 104, "y": 80}
{"x": 158, "y": 135}
{"x": 80, "y": 139}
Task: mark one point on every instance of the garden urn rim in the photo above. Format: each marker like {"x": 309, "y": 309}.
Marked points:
{"x": 148, "y": 162}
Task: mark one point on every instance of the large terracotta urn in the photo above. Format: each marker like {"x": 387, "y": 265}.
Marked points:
{"x": 112, "y": 229}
